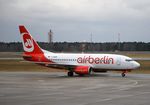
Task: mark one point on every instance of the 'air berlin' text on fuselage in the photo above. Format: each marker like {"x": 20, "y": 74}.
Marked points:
{"x": 96, "y": 60}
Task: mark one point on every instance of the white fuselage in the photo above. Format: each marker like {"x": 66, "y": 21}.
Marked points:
{"x": 96, "y": 61}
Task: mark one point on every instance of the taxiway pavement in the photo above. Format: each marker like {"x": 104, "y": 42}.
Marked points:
{"x": 44, "y": 88}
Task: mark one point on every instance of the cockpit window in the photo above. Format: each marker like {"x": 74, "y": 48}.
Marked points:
{"x": 129, "y": 60}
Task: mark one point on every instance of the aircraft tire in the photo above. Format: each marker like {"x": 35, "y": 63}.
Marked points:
{"x": 70, "y": 74}
{"x": 123, "y": 74}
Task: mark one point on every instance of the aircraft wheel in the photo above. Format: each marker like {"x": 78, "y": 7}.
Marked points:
{"x": 70, "y": 74}
{"x": 123, "y": 74}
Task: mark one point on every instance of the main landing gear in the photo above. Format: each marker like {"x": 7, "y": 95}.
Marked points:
{"x": 70, "y": 74}
{"x": 123, "y": 74}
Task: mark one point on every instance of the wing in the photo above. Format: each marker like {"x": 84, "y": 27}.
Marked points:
{"x": 55, "y": 65}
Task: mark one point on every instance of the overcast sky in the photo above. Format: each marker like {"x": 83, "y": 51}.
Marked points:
{"x": 76, "y": 20}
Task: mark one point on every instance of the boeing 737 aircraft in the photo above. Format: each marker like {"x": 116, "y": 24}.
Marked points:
{"x": 81, "y": 64}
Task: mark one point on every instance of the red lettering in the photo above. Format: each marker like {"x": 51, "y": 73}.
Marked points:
{"x": 102, "y": 60}
{"x": 86, "y": 60}
{"x": 79, "y": 60}
{"x": 91, "y": 60}
{"x": 111, "y": 60}
{"x": 96, "y": 60}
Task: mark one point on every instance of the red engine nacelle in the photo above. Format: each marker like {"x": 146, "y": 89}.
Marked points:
{"x": 81, "y": 70}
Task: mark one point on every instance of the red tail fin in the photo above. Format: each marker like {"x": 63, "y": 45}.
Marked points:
{"x": 29, "y": 44}
{"x": 32, "y": 51}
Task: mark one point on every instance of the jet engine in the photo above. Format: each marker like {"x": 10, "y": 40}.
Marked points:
{"x": 81, "y": 70}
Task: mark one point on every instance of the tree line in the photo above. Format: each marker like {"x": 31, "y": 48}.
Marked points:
{"x": 79, "y": 46}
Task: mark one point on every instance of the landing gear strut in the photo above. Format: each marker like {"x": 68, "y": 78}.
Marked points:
{"x": 70, "y": 74}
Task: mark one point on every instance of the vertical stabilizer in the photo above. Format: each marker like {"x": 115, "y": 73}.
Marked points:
{"x": 32, "y": 51}
{"x": 29, "y": 44}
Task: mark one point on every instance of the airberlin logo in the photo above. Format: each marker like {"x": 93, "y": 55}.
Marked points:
{"x": 27, "y": 42}
{"x": 96, "y": 60}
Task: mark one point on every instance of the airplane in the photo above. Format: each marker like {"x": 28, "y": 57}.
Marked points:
{"x": 79, "y": 63}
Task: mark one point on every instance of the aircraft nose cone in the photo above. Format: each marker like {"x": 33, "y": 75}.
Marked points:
{"x": 136, "y": 65}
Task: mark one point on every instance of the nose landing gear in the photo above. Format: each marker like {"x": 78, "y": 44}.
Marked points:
{"x": 123, "y": 74}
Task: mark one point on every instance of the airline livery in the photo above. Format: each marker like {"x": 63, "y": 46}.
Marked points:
{"x": 81, "y": 64}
